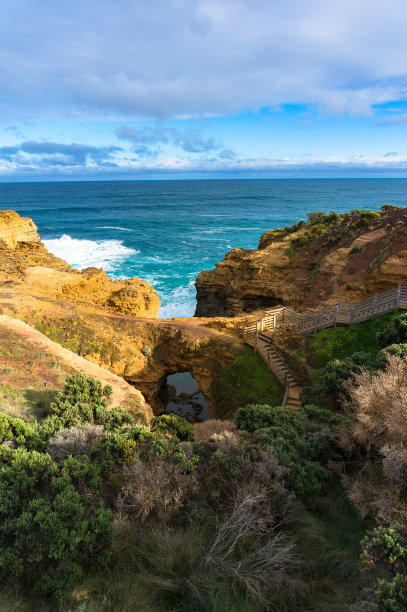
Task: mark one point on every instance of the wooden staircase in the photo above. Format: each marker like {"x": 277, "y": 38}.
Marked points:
{"x": 280, "y": 320}
{"x": 292, "y": 400}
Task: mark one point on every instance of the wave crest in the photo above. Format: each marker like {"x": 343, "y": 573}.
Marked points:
{"x": 81, "y": 253}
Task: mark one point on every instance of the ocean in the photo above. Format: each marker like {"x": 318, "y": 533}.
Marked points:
{"x": 168, "y": 231}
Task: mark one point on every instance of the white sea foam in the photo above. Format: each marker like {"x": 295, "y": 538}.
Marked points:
{"x": 122, "y": 229}
{"x": 106, "y": 254}
{"x": 180, "y": 302}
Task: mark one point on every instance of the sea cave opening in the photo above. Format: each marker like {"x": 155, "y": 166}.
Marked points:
{"x": 180, "y": 394}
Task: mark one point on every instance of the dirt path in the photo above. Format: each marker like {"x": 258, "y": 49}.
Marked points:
{"x": 122, "y": 391}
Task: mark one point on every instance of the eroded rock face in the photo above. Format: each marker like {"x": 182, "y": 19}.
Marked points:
{"x": 25, "y": 261}
{"x": 112, "y": 324}
{"x": 347, "y": 258}
{"x": 15, "y": 229}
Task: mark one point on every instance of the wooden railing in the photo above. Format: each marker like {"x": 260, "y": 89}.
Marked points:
{"x": 273, "y": 366}
{"x": 342, "y": 313}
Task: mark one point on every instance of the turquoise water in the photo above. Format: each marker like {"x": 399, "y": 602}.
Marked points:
{"x": 168, "y": 231}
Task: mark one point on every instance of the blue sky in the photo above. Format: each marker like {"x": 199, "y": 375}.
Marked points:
{"x": 202, "y": 89}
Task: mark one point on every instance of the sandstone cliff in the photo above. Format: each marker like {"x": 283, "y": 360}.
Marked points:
{"x": 26, "y": 262}
{"x": 15, "y": 229}
{"x": 31, "y": 361}
{"x": 331, "y": 257}
{"x": 112, "y": 323}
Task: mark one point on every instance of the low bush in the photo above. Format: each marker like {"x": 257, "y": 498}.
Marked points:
{"x": 73, "y": 441}
{"x": 174, "y": 425}
{"x": 394, "y": 333}
{"x": 48, "y": 531}
{"x": 394, "y": 349}
{"x": 298, "y": 441}
{"x": 384, "y": 553}
{"x": 203, "y": 431}
{"x": 389, "y": 207}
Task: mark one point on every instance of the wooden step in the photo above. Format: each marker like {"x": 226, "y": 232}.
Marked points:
{"x": 294, "y": 401}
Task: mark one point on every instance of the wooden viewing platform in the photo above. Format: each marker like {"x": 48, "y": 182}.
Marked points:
{"x": 260, "y": 335}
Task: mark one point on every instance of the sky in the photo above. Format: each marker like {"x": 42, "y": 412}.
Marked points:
{"x": 130, "y": 89}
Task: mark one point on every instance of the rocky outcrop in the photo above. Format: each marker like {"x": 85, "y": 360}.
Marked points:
{"x": 15, "y": 229}
{"x": 35, "y": 271}
{"x": 112, "y": 324}
{"x": 142, "y": 351}
{"x": 92, "y": 286}
{"x": 331, "y": 258}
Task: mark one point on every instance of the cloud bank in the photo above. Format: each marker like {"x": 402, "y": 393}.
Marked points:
{"x": 52, "y": 160}
{"x": 32, "y": 155}
{"x": 176, "y": 58}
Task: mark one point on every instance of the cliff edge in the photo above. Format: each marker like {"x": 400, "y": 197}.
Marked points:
{"x": 331, "y": 257}
{"x": 25, "y": 261}
{"x": 15, "y": 229}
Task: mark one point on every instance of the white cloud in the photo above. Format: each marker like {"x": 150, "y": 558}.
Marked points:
{"x": 173, "y": 58}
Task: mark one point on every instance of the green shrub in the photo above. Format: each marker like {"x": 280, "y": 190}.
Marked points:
{"x": 391, "y": 595}
{"x": 354, "y": 250}
{"x": 315, "y": 218}
{"x": 384, "y": 553}
{"x": 49, "y": 531}
{"x": 174, "y": 425}
{"x": 284, "y": 432}
{"x": 337, "y": 371}
{"x": 128, "y": 444}
{"x": 388, "y": 207}
{"x": 393, "y": 349}
{"x": 394, "y": 333}
{"x": 254, "y": 417}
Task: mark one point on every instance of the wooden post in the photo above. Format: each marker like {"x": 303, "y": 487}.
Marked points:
{"x": 398, "y": 296}
{"x": 352, "y": 314}
{"x": 373, "y": 306}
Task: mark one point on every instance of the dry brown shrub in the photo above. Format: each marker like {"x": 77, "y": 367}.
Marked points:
{"x": 204, "y": 431}
{"x": 380, "y": 405}
{"x": 73, "y": 441}
{"x": 250, "y": 544}
{"x": 223, "y": 441}
{"x": 371, "y": 493}
{"x": 157, "y": 489}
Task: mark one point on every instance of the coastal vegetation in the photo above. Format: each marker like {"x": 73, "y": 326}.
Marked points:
{"x": 105, "y": 507}
{"x": 274, "y": 509}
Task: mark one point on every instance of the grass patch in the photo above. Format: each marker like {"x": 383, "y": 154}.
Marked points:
{"x": 246, "y": 381}
{"x": 328, "y": 539}
{"x": 28, "y": 403}
{"x": 330, "y": 343}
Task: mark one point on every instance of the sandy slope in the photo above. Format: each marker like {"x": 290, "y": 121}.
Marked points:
{"x": 122, "y": 392}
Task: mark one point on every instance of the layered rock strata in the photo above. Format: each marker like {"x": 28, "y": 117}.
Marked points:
{"x": 15, "y": 229}
{"x": 25, "y": 261}
{"x": 112, "y": 324}
{"x": 303, "y": 266}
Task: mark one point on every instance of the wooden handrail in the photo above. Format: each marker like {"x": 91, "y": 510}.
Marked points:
{"x": 344, "y": 313}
